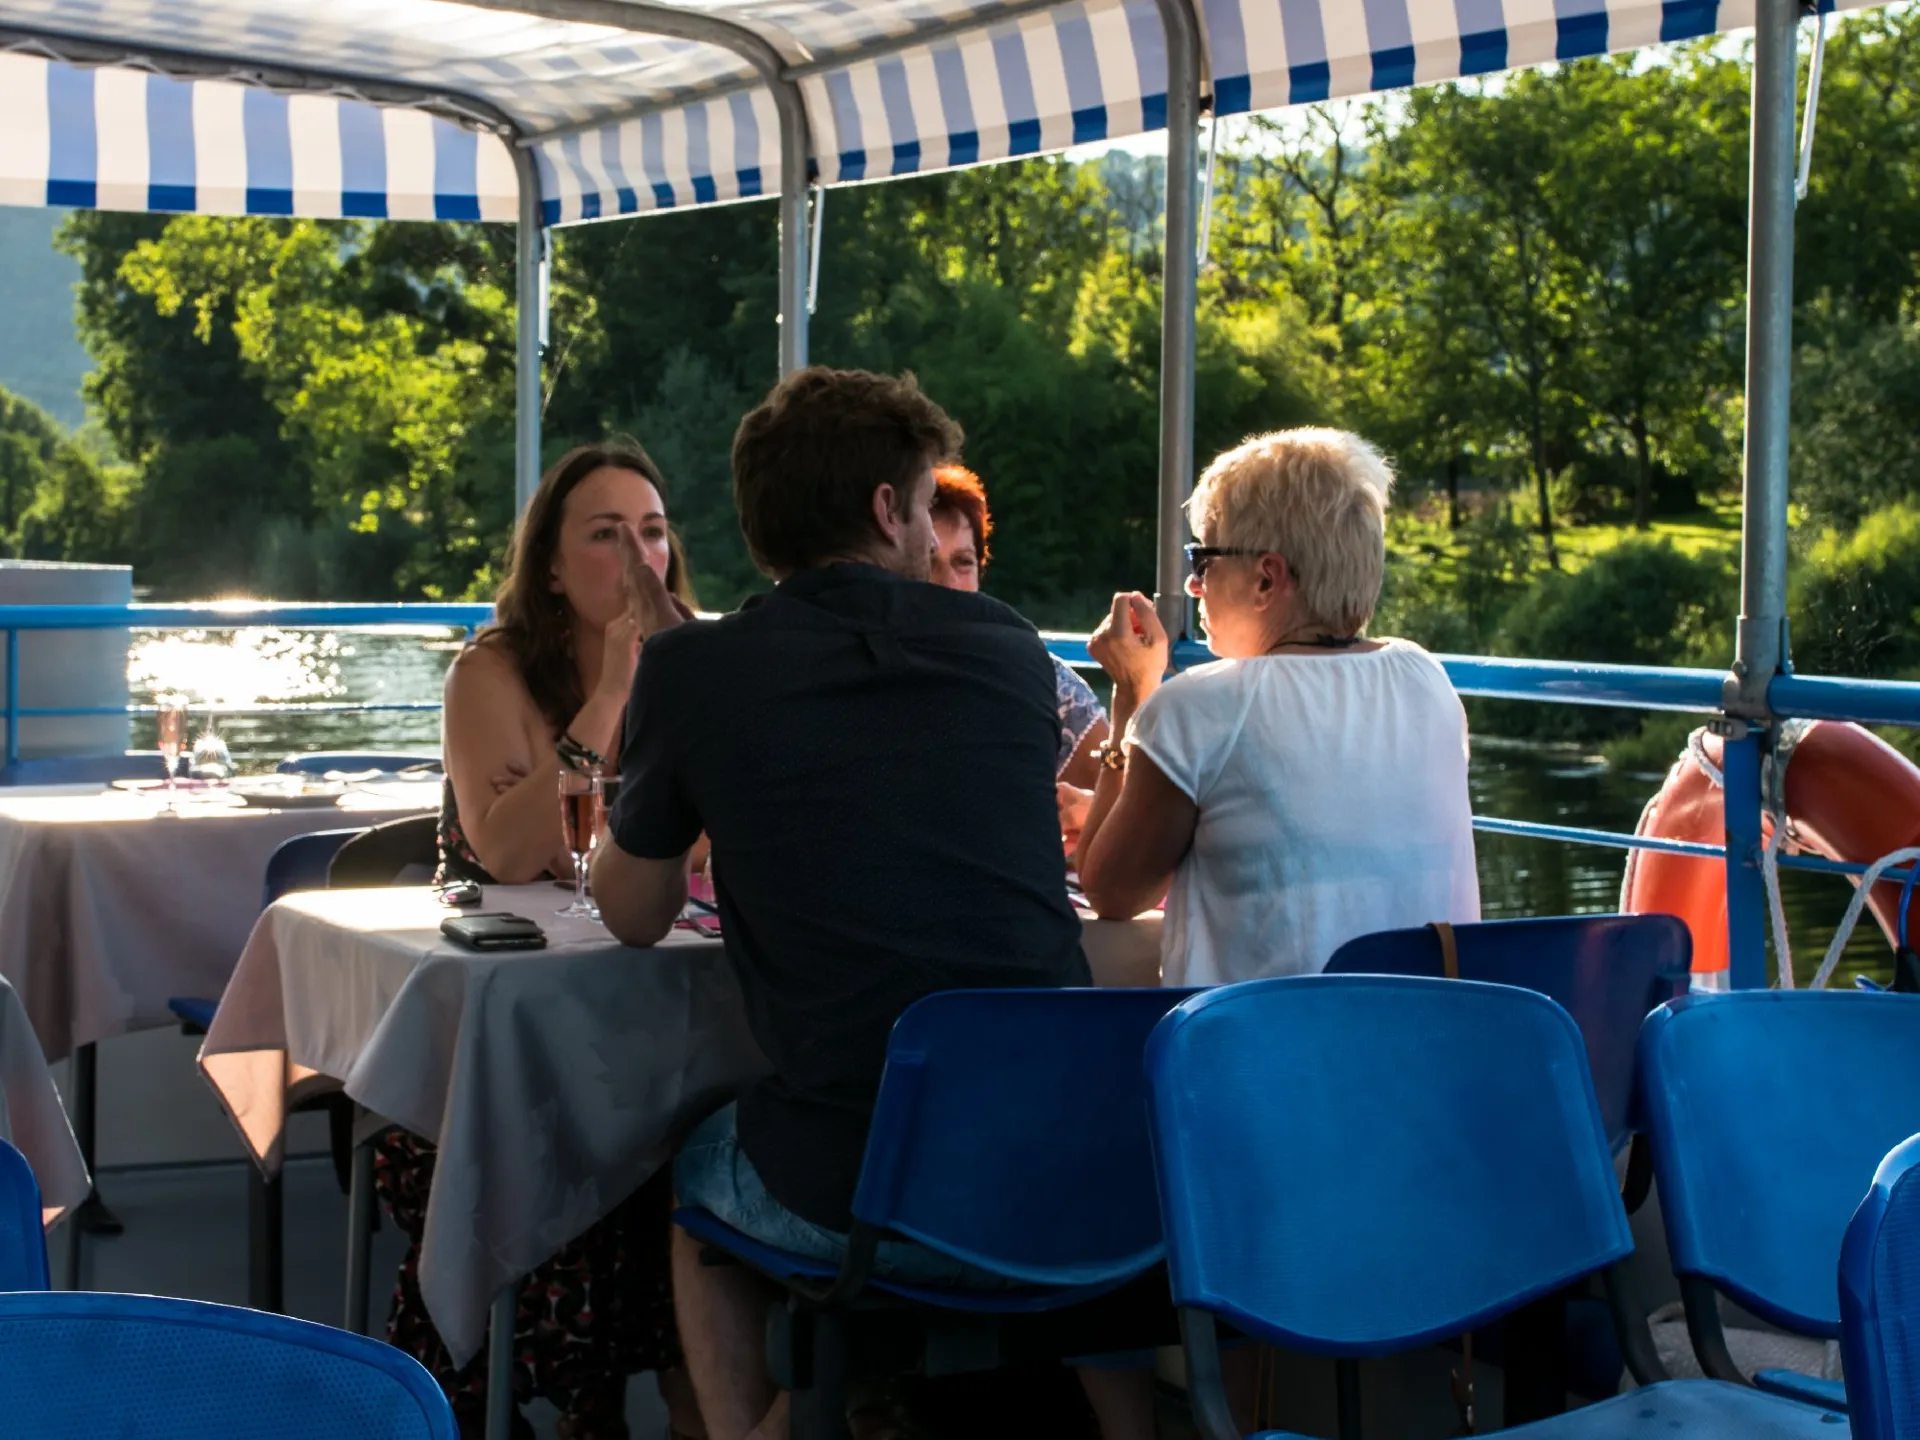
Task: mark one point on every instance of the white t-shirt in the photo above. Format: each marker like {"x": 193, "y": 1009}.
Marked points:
{"x": 1333, "y": 802}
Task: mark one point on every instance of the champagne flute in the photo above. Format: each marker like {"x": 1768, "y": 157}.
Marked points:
{"x": 582, "y": 808}
{"x": 170, "y": 721}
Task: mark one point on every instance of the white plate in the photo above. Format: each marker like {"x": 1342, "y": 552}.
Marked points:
{"x": 287, "y": 797}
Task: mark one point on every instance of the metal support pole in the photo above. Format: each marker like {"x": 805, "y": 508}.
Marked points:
{"x": 529, "y": 322}
{"x": 1179, "y": 297}
{"x": 1746, "y": 890}
{"x": 1760, "y": 646}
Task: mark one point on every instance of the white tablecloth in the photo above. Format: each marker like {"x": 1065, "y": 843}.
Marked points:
{"x": 554, "y": 1082}
{"x": 108, "y": 908}
{"x": 31, "y": 1116}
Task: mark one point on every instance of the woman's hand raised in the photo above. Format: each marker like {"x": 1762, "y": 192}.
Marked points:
{"x": 1131, "y": 646}
{"x": 651, "y": 604}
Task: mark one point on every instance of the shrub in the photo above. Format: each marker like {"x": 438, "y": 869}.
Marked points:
{"x": 1856, "y": 604}
{"x": 1643, "y": 602}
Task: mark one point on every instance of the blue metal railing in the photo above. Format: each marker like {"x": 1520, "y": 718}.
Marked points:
{"x": 1638, "y": 687}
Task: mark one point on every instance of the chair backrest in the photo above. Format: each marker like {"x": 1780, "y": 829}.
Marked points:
{"x": 1355, "y": 1164}
{"x": 1606, "y": 971}
{"x": 1769, "y": 1111}
{"x": 349, "y": 762}
{"x": 1011, "y": 1132}
{"x": 388, "y": 854}
{"x": 1880, "y": 1302}
{"x": 76, "y": 1363}
{"x": 302, "y": 863}
{"x": 23, "y": 1238}
{"x": 85, "y": 769}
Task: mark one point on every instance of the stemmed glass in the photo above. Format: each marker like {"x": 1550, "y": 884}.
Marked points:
{"x": 582, "y": 809}
{"x": 170, "y": 720}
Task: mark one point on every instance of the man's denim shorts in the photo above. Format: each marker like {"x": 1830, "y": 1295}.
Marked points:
{"x": 713, "y": 1173}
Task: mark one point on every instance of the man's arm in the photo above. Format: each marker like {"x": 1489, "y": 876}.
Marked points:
{"x": 639, "y": 899}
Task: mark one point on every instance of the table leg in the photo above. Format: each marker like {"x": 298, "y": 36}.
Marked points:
{"x": 70, "y": 1264}
{"x": 92, "y": 1214}
{"x": 360, "y": 1203}
{"x": 500, "y": 1325}
{"x": 266, "y": 1242}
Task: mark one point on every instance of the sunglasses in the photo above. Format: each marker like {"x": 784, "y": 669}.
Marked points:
{"x": 1201, "y": 556}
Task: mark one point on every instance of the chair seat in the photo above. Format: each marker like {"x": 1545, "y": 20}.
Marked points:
{"x": 784, "y": 1265}
{"x": 193, "y": 1010}
{"x": 1807, "y": 1389}
{"x": 1679, "y": 1408}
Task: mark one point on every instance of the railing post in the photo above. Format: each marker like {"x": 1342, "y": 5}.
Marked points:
{"x": 1746, "y": 889}
{"x": 13, "y": 697}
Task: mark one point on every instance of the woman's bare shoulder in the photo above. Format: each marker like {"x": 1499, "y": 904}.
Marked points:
{"x": 485, "y": 674}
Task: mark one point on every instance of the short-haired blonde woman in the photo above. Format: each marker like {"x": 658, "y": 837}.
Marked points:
{"x": 1311, "y": 784}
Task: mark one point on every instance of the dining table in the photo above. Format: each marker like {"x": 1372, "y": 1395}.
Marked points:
{"x": 111, "y": 904}
{"x": 553, "y": 1082}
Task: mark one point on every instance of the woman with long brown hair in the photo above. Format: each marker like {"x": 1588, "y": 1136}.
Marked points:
{"x": 555, "y": 666}
{"x": 552, "y": 672}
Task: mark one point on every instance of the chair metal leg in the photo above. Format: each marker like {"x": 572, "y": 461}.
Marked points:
{"x": 1536, "y": 1361}
{"x": 500, "y": 1325}
{"x": 266, "y": 1243}
{"x": 1346, "y": 1382}
{"x": 92, "y": 1214}
{"x": 820, "y": 1409}
{"x": 360, "y": 1203}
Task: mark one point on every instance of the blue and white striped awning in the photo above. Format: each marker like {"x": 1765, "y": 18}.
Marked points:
{"x": 620, "y": 123}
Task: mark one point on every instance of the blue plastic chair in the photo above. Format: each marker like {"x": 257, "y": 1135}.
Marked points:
{"x": 1009, "y": 1133}
{"x": 299, "y": 863}
{"x": 1880, "y": 1302}
{"x": 79, "y": 1366}
{"x": 1606, "y": 971}
{"x": 85, "y": 769}
{"x": 23, "y": 1237}
{"x": 1355, "y": 1165}
{"x": 1769, "y": 1112}
{"x": 319, "y": 762}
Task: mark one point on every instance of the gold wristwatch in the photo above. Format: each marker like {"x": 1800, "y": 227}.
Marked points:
{"x": 1110, "y": 756}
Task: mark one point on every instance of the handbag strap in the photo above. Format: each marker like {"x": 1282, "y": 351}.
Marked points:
{"x": 1449, "y": 951}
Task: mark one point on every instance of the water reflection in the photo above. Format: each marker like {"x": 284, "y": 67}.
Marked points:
{"x": 1518, "y": 782}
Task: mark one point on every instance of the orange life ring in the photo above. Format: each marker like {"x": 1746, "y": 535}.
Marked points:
{"x": 1849, "y": 796}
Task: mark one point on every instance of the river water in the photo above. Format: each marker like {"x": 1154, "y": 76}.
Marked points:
{"x": 226, "y": 672}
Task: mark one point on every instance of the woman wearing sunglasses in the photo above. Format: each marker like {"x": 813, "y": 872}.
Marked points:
{"x": 1311, "y": 784}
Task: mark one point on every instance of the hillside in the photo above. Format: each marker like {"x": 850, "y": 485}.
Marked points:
{"x": 40, "y": 356}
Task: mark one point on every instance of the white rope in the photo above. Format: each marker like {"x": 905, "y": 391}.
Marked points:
{"x": 813, "y": 246}
{"x": 1813, "y": 108}
{"x": 1776, "y": 908}
{"x": 1697, "y": 752}
{"x": 1855, "y": 906}
{"x": 1206, "y": 191}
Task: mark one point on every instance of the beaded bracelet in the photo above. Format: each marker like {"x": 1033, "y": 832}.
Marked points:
{"x": 576, "y": 756}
